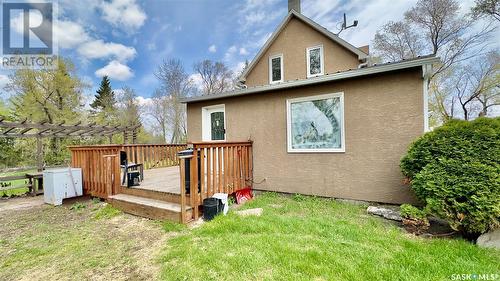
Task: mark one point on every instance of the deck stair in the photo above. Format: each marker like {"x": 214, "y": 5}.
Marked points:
{"x": 148, "y": 207}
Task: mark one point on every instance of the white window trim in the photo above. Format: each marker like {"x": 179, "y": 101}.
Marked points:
{"x": 426, "y": 72}
{"x": 322, "y": 59}
{"x": 206, "y": 127}
{"x": 289, "y": 124}
{"x": 271, "y": 69}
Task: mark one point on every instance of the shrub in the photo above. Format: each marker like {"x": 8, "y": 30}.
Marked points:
{"x": 477, "y": 140}
{"x": 411, "y": 212}
{"x": 465, "y": 193}
{"x": 414, "y": 220}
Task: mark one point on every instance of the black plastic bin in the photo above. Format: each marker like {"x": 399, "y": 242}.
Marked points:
{"x": 211, "y": 207}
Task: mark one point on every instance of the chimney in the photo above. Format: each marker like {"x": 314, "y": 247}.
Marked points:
{"x": 294, "y": 5}
{"x": 365, "y": 49}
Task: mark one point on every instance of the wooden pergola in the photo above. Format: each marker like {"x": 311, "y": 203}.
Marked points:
{"x": 25, "y": 129}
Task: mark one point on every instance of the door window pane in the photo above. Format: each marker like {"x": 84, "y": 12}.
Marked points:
{"x": 217, "y": 125}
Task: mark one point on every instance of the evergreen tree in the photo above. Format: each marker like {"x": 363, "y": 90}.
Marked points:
{"x": 104, "y": 104}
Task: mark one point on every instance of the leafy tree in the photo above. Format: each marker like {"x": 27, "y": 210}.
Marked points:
{"x": 47, "y": 95}
{"x": 4, "y": 111}
{"x": 489, "y": 8}
{"x": 104, "y": 104}
{"x": 129, "y": 111}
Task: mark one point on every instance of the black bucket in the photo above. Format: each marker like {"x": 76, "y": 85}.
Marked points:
{"x": 211, "y": 207}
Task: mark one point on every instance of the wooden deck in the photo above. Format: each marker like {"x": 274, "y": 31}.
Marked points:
{"x": 162, "y": 179}
{"x": 224, "y": 167}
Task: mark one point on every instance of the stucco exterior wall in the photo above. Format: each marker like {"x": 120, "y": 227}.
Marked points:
{"x": 292, "y": 42}
{"x": 382, "y": 115}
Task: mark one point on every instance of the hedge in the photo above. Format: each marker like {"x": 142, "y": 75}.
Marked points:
{"x": 477, "y": 140}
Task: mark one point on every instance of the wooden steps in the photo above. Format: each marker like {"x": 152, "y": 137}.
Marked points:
{"x": 152, "y": 194}
{"x": 148, "y": 207}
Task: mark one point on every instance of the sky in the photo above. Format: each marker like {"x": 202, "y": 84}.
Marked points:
{"x": 128, "y": 39}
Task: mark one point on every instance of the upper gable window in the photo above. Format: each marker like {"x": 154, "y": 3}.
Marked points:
{"x": 315, "y": 64}
{"x": 276, "y": 69}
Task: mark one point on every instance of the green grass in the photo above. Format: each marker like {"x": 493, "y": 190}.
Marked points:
{"x": 306, "y": 238}
{"x": 15, "y": 191}
{"x": 169, "y": 226}
{"x": 106, "y": 212}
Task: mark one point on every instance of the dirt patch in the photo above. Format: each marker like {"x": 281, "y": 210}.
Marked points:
{"x": 20, "y": 203}
{"x": 123, "y": 247}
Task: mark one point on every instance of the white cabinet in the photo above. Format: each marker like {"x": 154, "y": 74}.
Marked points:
{"x": 59, "y": 184}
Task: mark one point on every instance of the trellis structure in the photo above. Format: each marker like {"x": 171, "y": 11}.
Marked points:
{"x": 25, "y": 129}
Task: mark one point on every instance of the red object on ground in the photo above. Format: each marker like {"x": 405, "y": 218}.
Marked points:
{"x": 243, "y": 195}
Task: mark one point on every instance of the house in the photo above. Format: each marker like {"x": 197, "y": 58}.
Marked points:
{"x": 322, "y": 120}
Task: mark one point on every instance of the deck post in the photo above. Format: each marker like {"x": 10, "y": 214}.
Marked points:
{"x": 194, "y": 183}
{"x": 182, "y": 168}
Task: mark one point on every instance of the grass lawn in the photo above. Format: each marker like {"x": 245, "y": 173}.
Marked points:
{"x": 80, "y": 241}
{"x": 304, "y": 238}
{"x": 296, "y": 238}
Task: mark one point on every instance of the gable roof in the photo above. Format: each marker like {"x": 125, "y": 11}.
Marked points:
{"x": 341, "y": 75}
{"x": 361, "y": 55}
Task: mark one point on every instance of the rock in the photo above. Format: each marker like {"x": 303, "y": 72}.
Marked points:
{"x": 490, "y": 239}
{"x": 250, "y": 212}
{"x": 384, "y": 212}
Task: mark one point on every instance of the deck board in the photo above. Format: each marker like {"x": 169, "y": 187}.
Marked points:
{"x": 162, "y": 179}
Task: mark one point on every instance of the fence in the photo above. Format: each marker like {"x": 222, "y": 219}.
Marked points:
{"x": 218, "y": 167}
{"x": 101, "y": 163}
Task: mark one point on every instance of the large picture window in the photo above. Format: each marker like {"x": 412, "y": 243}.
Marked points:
{"x": 276, "y": 69}
{"x": 316, "y": 123}
{"x": 315, "y": 61}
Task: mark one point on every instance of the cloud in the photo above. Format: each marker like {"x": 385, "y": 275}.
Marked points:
{"x": 197, "y": 81}
{"x": 142, "y": 101}
{"x": 229, "y": 55}
{"x": 257, "y": 14}
{"x": 69, "y": 34}
{"x": 212, "y": 48}
{"x": 329, "y": 14}
{"x": 151, "y": 46}
{"x": 124, "y": 14}
{"x": 243, "y": 51}
{"x": 115, "y": 70}
{"x": 4, "y": 80}
{"x": 238, "y": 68}
{"x": 98, "y": 49}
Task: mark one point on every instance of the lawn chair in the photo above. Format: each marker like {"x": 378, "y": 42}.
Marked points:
{"x": 133, "y": 173}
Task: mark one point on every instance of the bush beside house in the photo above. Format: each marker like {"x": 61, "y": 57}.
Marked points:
{"x": 455, "y": 171}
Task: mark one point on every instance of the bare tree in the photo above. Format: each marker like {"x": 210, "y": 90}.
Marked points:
{"x": 450, "y": 35}
{"x": 436, "y": 27}
{"x": 489, "y": 75}
{"x": 160, "y": 112}
{"x": 397, "y": 41}
{"x": 473, "y": 87}
{"x": 216, "y": 77}
{"x": 433, "y": 27}
{"x": 167, "y": 111}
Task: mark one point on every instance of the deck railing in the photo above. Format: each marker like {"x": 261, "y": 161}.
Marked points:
{"x": 216, "y": 167}
{"x": 101, "y": 163}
